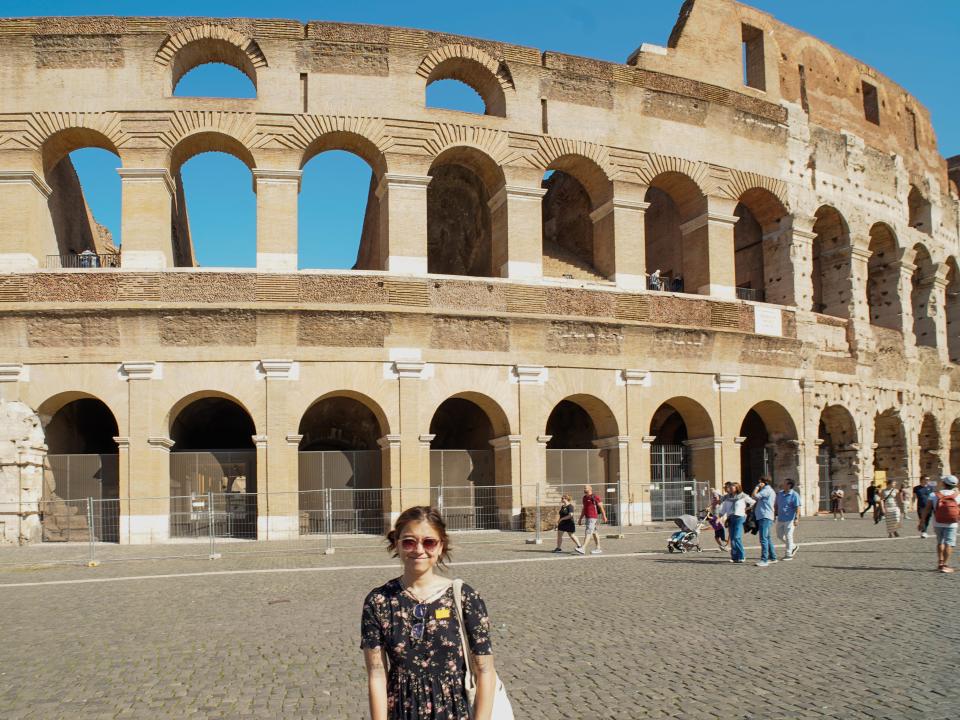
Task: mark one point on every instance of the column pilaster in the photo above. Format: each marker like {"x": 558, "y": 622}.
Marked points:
{"x": 145, "y": 218}
{"x": 277, "y": 194}
{"x": 708, "y": 250}
{"x": 403, "y": 217}
{"x": 516, "y": 213}
{"x": 26, "y": 230}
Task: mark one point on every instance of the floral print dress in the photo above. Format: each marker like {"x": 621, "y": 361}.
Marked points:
{"x": 425, "y": 679}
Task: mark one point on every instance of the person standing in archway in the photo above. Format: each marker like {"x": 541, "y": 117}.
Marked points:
{"x": 592, "y": 511}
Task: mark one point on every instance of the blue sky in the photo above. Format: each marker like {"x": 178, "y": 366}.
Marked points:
{"x": 914, "y": 44}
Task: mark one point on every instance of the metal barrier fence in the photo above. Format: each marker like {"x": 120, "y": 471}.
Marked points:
{"x": 214, "y": 524}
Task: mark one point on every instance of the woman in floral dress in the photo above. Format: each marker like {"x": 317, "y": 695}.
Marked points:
{"x": 410, "y": 634}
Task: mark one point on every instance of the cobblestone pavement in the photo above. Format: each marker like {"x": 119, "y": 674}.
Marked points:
{"x": 846, "y": 630}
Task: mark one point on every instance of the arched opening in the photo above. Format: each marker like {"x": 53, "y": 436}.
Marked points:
{"x": 215, "y": 209}
{"x": 831, "y": 264}
{"x": 333, "y": 223}
{"x": 576, "y": 243}
{"x": 80, "y": 166}
{"x": 931, "y": 465}
{"x": 215, "y": 80}
{"x": 213, "y": 456}
{"x": 460, "y": 228}
{"x": 476, "y": 76}
{"x": 768, "y": 445}
{"x": 674, "y": 253}
{"x": 921, "y": 299}
{"x": 216, "y": 68}
{"x": 955, "y": 447}
{"x": 339, "y": 454}
{"x": 918, "y": 211}
{"x": 837, "y": 460}
{"x": 682, "y": 452}
{"x": 953, "y": 310}
{"x": 449, "y": 94}
{"x": 760, "y": 255}
{"x": 82, "y": 466}
{"x": 883, "y": 279}
{"x": 890, "y": 455}
{"x": 467, "y": 483}
{"x": 580, "y": 451}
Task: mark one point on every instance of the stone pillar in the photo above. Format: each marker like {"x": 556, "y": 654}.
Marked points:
{"x": 859, "y": 309}
{"x": 708, "y": 250}
{"x": 145, "y": 222}
{"x": 938, "y": 310}
{"x": 516, "y": 214}
{"x": 506, "y": 459}
{"x": 619, "y": 245}
{"x": 403, "y": 218}
{"x": 730, "y": 457}
{"x": 414, "y": 447}
{"x": 705, "y": 461}
{"x": 616, "y": 460}
{"x": 530, "y": 381}
{"x": 26, "y": 231}
{"x": 147, "y": 464}
{"x": 905, "y": 290}
{"x": 390, "y": 477}
{"x": 123, "y": 481}
{"x": 277, "y": 193}
{"x": 278, "y": 478}
{"x": 800, "y": 294}
{"x": 637, "y": 488}
{"x": 261, "y": 443}
{"x": 22, "y": 456}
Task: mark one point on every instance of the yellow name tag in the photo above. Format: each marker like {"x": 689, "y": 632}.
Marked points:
{"x": 442, "y": 613}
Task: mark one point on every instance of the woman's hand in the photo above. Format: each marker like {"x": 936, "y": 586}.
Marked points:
{"x": 486, "y": 686}
{"x": 376, "y": 663}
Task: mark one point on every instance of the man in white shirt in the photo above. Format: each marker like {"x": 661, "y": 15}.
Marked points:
{"x": 945, "y": 507}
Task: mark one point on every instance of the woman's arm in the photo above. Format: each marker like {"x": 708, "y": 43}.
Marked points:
{"x": 486, "y": 686}
{"x": 375, "y": 660}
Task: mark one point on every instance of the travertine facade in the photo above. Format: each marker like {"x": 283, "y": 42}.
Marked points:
{"x": 796, "y": 211}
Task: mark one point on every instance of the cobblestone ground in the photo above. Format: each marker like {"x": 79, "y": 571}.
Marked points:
{"x": 849, "y": 629}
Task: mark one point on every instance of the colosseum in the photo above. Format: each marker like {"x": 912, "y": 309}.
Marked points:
{"x": 731, "y": 256}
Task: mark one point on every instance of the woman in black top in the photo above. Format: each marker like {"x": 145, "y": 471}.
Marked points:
{"x": 410, "y": 634}
{"x": 567, "y": 525}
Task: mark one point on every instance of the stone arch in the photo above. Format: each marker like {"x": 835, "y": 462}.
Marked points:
{"x": 460, "y": 229}
{"x": 890, "y": 453}
{"x": 768, "y": 444}
{"x": 601, "y": 417}
{"x": 929, "y": 445}
{"x": 918, "y": 211}
{"x": 178, "y": 407}
{"x": 952, "y": 309}
{"x": 375, "y": 409}
{"x": 683, "y": 445}
{"x": 59, "y": 144}
{"x": 837, "y": 456}
{"x": 675, "y": 199}
{"x": 201, "y": 141}
{"x": 577, "y": 233}
{"x": 760, "y": 256}
{"x": 883, "y": 278}
{"x": 472, "y": 66}
{"x": 832, "y": 282}
{"x": 207, "y": 43}
{"x": 922, "y": 299}
{"x": 955, "y": 447}
{"x": 350, "y": 141}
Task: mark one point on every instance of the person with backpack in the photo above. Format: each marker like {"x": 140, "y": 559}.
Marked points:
{"x": 593, "y": 511}
{"x": 944, "y": 505}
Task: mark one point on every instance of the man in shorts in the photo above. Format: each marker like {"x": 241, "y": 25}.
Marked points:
{"x": 945, "y": 508}
{"x": 592, "y": 511}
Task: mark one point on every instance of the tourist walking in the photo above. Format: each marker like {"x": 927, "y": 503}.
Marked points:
{"x": 566, "y": 525}
{"x": 592, "y": 512}
{"x": 788, "y": 517}
{"x": 890, "y": 499}
{"x": 904, "y": 500}
{"x": 764, "y": 512}
{"x": 734, "y": 508}
{"x": 410, "y": 632}
{"x": 718, "y": 532}
{"x": 944, "y": 506}
{"x": 836, "y": 503}
{"x": 871, "y": 500}
{"x": 921, "y": 496}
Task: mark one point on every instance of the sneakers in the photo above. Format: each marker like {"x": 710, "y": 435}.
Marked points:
{"x": 739, "y": 562}
{"x": 771, "y": 562}
{"x": 946, "y": 569}
{"x": 557, "y": 550}
{"x": 596, "y": 551}
{"x": 923, "y": 535}
{"x": 762, "y": 563}
{"x": 788, "y": 557}
{"x": 579, "y": 550}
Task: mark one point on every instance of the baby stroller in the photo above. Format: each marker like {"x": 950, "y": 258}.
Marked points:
{"x": 688, "y": 536}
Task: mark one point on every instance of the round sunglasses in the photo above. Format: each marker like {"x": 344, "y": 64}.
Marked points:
{"x": 429, "y": 544}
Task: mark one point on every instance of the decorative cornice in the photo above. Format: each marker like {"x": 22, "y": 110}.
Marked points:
{"x": 276, "y": 177}
{"x": 611, "y": 443}
{"x": 160, "y": 442}
{"x": 515, "y": 192}
{"x": 635, "y": 377}
{"x": 544, "y": 439}
{"x": 708, "y": 217}
{"x": 401, "y": 180}
{"x": 145, "y": 175}
{"x": 26, "y": 176}
{"x": 294, "y": 439}
{"x": 138, "y": 370}
{"x": 410, "y": 369}
{"x": 505, "y": 442}
{"x": 123, "y": 443}
{"x": 726, "y": 383}
{"x": 426, "y": 439}
{"x": 389, "y": 441}
{"x": 277, "y": 369}
{"x": 260, "y": 441}
{"x": 530, "y": 374}
{"x": 13, "y": 372}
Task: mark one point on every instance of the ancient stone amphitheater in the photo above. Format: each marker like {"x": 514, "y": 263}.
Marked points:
{"x": 730, "y": 256}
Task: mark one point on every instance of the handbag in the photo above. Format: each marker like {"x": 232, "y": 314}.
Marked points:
{"x": 502, "y": 710}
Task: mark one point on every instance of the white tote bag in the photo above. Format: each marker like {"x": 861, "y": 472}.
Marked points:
{"x": 502, "y": 710}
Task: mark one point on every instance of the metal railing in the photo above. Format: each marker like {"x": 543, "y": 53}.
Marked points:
{"x": 83, "y": 261}
{"x": 755, "y": 294}
{"x": 214, "y": 524}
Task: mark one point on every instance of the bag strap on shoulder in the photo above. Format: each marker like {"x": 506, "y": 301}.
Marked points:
{"x": 469, "y": 680}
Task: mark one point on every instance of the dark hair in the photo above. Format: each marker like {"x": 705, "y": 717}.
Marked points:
{"x": 789, "y": 482}
{"x": 420, "y": 513}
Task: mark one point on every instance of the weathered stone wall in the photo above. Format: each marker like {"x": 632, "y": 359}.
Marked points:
{"x": 22, "y": 453}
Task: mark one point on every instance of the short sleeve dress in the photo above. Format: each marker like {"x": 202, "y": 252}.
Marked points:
{"x": 566, "y": 523}
{"x": 425, "y": 679}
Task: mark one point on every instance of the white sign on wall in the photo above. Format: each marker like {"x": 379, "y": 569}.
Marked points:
{"x": 767, "y": 321}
